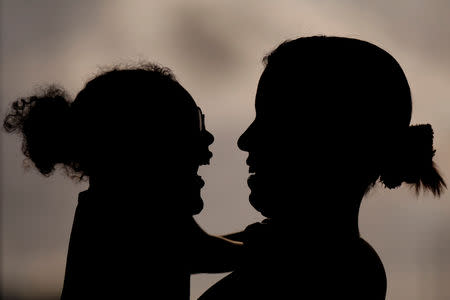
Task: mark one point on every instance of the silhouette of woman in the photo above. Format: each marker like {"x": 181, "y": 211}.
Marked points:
{"x": 139, "y": 138}
{"x": 332, "y": 117}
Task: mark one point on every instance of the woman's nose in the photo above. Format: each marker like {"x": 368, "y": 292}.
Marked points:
{"x": 245, "y": 139}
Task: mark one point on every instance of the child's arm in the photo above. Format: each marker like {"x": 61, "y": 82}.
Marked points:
{"x": 236, "y": 236}
{"x": 212, "y": 254}
{"x": 252, "y": 231}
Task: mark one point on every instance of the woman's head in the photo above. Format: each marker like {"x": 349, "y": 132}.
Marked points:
{"x": 125, "y": 124}
{"x": 334, "y": 112}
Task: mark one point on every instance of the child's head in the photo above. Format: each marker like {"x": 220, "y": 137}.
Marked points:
{"x": 124, "y": 125}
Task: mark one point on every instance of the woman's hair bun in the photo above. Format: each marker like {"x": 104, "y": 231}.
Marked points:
{"x": 411, "y": 161}
{"x": 43, "y": 121}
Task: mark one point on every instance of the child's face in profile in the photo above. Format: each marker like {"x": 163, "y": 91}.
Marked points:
{"x": 190, "y": 150}
{"x": 202, "y": 157}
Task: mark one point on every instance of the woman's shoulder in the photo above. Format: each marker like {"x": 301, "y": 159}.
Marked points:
{"x": 359, "y": 264}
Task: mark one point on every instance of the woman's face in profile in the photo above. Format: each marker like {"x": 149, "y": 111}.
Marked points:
{"x": 261, "y": 141}
{"x": 278, "y": 141}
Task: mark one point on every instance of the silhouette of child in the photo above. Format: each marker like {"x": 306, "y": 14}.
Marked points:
{"x": 139, "y": 138}
{"x": 332, "y": 118}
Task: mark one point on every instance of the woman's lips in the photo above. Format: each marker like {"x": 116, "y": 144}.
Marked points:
{"x": 251, "y": 162}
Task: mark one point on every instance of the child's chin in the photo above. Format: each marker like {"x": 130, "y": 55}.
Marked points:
{"x": 196, "y": 205}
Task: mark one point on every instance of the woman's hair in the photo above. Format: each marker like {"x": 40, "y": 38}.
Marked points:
{"x": 360, "y": 93}
{"x": 58, "y": 131}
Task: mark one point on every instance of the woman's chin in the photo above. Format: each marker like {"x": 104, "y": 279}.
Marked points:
{"x": 253, "y": 199}
{"x": 261, "y": 203}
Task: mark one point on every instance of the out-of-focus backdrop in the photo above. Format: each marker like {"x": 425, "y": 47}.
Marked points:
{"x": 215, "y": 49}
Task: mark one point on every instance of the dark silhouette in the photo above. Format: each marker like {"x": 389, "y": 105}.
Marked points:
{"x": 139, "y": 138}
{"x": 332, "y": 118}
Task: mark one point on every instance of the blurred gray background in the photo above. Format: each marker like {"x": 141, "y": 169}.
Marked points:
{"x": 215, "y": 49}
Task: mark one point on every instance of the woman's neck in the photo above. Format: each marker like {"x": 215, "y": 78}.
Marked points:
{"x": 332, "y": 214}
